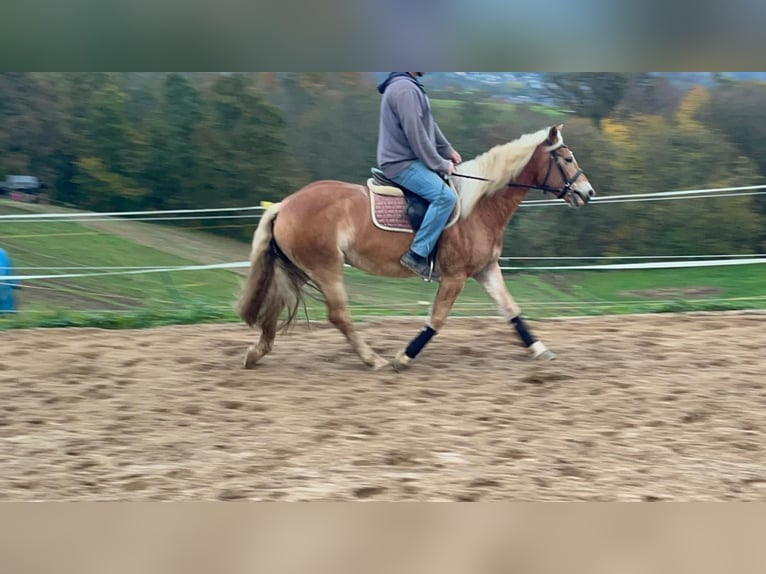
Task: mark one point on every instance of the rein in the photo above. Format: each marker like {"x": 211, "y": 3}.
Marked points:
{"x": 560, "y": 193}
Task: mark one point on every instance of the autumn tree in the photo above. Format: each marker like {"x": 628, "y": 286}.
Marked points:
{"x": 30, "y": 127}
{"x": 111, "y": 162}
{"x": 241, "y": 151}
{"x": 737, "y": 111}
{"x": 591, "y": 94}
{"x": 171, "y": 161}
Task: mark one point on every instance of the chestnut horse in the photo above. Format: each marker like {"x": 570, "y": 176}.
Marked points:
{"x": 307, "y": 238}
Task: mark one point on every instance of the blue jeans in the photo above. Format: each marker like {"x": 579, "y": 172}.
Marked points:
{"x": 422, "y": 181}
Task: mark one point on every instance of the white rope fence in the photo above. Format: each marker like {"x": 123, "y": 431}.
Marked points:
{"x": 107, "y": 271}
{"x": 653, "y": 265}
{"x": 490, "y": 307}
{"x": 90, "y": 214}
{"x": 663, "y": 195}
{"x": 254, "y": 212}
{"x": 134, "y": 271}
{"x": 84, "y": 268}
{"x": 151, "y": 215}
{"x": 606, "y": 257}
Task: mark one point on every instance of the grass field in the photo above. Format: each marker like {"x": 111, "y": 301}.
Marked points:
{"x": 545, "y": 294}
{"x": 198, "y": 296}
{"x": 35, "y": 248}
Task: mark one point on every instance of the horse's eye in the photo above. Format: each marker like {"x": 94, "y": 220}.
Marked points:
{"x": 569, "y": 159}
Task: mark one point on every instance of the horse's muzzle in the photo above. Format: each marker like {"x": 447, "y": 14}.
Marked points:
{"x": 582, "y": 198}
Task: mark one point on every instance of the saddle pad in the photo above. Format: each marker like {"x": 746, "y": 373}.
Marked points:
{"x": 389, "y": 212}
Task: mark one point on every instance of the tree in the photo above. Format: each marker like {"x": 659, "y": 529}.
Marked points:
{"x": 331, "y": 122}
{"x": 591, "y": 94}
{"x": 677, "y": 156}
{"x": 110, "y": 163}
{"x": 648, "y": 94}
{"x": 737, "y": 110}
{"x": 469, "y": 132}
{"x": 75, "y": 91}
{"x": 171, "y": 162}
{"x": 241, "y": 151}
{"x": 30, "y": 132}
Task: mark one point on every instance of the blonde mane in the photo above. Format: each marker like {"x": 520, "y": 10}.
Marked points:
{"x": 499, "y": 165}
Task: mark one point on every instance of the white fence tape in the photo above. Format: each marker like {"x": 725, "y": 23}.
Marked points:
{"x": 733, "y": 191}
{"x": 130, "y": 272}
{"x": 608, "y": 257}
{"x": 701, "y": 260}
{"x": 84, "y": 268}
{"x": 244, "y": 264}
{"x": 653, "y": 265}
{"x": 89, "y": 214}
{"x": 653, "y": 196}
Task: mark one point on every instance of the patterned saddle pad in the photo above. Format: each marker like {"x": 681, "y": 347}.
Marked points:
{"x": 388, "y": 208}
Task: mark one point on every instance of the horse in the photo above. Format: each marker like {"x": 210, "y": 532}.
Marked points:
{"x": 306, "y": 239}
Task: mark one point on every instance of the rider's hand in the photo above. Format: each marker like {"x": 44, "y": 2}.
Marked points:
{"x": 455, "y": 157}
{"x": 451, "y": 168}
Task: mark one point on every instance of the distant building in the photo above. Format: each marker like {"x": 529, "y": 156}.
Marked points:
{"x": 23, "y": 188}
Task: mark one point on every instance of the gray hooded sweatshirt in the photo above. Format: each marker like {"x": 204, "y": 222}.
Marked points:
{"x": 408, "y": 131}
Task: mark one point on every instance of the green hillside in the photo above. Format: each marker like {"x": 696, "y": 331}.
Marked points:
{"x": 63, "y": 247}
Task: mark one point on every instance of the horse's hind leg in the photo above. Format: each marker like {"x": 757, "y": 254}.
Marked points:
{"x": 266, "y": 341}
{"x": 337, "y": 309}
{"x": 491, "y": 280}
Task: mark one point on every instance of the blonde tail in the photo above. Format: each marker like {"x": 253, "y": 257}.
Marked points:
{"x": 268, "y": 288}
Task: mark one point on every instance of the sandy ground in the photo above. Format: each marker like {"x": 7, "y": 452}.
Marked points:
{"x": 659, "y": 407}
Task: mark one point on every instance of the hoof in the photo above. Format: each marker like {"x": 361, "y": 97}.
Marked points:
{"x": 546, "y": 356}
{"x": 401, "y": 362}
{"x": 541, "y": 353}
{"x": 250, "y": 360}
{"x": 377, "y": 363}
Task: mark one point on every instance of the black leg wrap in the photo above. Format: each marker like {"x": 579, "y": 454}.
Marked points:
{"x": 419, "y": 342}
{"x": 521, "y": 329}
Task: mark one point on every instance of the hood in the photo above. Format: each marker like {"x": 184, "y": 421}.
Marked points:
{"x": 393, "y": 75}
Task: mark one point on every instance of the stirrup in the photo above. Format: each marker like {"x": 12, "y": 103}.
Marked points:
{"x": 431, "y": 266}
{"x": 431, "y": 270}
{"x": 425, "y": 272}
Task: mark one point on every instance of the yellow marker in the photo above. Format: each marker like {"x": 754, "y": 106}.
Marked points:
{"x": 267, "y": 203}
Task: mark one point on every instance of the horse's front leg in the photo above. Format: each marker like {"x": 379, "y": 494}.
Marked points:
{"x": 491, "y": 280}
{"x": 448, "y": 292}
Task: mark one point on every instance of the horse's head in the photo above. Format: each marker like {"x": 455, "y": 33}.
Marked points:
{"x": 558, "y": 172}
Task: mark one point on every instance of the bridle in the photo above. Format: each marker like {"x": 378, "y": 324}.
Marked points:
{"x": 559, "y": 192}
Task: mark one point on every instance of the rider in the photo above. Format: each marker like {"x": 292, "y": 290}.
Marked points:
{"x": 412, "y": 152}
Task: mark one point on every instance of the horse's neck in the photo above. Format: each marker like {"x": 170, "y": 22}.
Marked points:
{"x": 496, "y": 210}
{"x": 473, "y": 187}
{"x": 493, "y": 209}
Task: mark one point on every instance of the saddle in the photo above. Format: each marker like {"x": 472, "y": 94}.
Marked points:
{"x": 395, "y": 208}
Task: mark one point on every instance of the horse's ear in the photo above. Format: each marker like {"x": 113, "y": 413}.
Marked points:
{"x": 553, "y": 134}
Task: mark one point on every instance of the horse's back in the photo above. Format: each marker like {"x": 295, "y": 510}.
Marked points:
{"x": 328, "y": 222}
{"x": 329, "y": 187}
{"x": 324, "y": 199}
{"x": 321, "y": 210}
